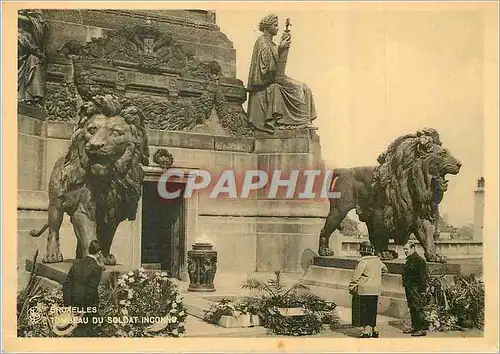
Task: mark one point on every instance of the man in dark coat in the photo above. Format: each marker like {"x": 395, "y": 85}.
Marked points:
{"x": 414, "y": 282}
{"x": 80, "y": 288}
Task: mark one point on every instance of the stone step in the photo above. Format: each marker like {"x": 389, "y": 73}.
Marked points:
{"x": 345, "y": 316}
{"x": 332, "y": 284}
{"x": 31, "y": 219}
{"x": 196, "y": 327}
{"x": 387, "y": 306}
{"x": 58, "y": 271}
{"x": 195, "y": 305}
{"x": 395, "y": 266}
{"x": 46, "y": 283}
{"x": 339, "y": 278}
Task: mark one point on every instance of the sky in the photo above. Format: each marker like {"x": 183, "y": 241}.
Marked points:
{"x": 378, "y": 74}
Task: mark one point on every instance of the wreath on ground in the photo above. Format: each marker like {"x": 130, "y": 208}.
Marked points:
{"x": 272, "y": 301}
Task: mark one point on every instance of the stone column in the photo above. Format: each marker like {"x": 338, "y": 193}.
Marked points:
{"x": 479, "y": 210}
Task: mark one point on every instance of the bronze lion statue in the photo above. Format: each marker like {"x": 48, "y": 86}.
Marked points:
{"x": 397, "y": 198}
{"x": 98, "y": 183}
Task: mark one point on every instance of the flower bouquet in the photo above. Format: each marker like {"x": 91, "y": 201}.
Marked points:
{"x": 140, "y": 304}
{"x": 40, "y": 309}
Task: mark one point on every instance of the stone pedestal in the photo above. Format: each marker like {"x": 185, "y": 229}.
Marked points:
{"x": 287, "y": 227}
{"x": 329, "y": 277}
{"x": 202, "y": 266}
{"x": 395, "y": 266}
{"x": 266, "y": 233}
{"x": 58, "y": 272}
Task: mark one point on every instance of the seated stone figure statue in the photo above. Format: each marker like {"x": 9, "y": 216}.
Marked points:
{"x": 30, "y": 56}
{"x": 275, "y": 100}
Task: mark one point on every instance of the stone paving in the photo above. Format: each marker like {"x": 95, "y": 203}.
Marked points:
{"x": 229, "y": 285}
{"x": 196, "y": 327}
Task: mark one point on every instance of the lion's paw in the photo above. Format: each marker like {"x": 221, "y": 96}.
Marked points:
{"x": 325, "y": 252}
{"x": 436, "y": 258}
{"x": 110, "y": 260}
{"x": 53, "y": 257}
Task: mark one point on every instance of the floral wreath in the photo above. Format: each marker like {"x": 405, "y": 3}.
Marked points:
{"x": 163, "y": 158}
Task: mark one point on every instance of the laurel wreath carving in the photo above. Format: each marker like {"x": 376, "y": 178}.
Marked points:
{"x": 163, "y": 158}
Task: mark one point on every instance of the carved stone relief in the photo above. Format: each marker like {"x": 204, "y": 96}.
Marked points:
{"x": 175, "y": 90}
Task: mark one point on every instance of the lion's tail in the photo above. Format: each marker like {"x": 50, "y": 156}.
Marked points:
{"x": 336, "y": 173}
{"x": 338, "y": 176}
{"x": 333, "y": 187}
{"x": 38, "y": 233}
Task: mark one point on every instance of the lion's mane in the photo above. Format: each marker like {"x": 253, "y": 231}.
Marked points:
{"x": 404, "y": 185}
{"x": 115, "y": 196}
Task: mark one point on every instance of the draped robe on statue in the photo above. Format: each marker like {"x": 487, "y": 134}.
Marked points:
{"x": 30, "y": 44}
{"x": 284, "y": 104}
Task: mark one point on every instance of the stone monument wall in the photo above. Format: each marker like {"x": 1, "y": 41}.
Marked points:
{"x": 32, "y": 182}
{"x": 255, "y": 234}
{"x": 89, "y": 53}
{"x": 195, "y": 30}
